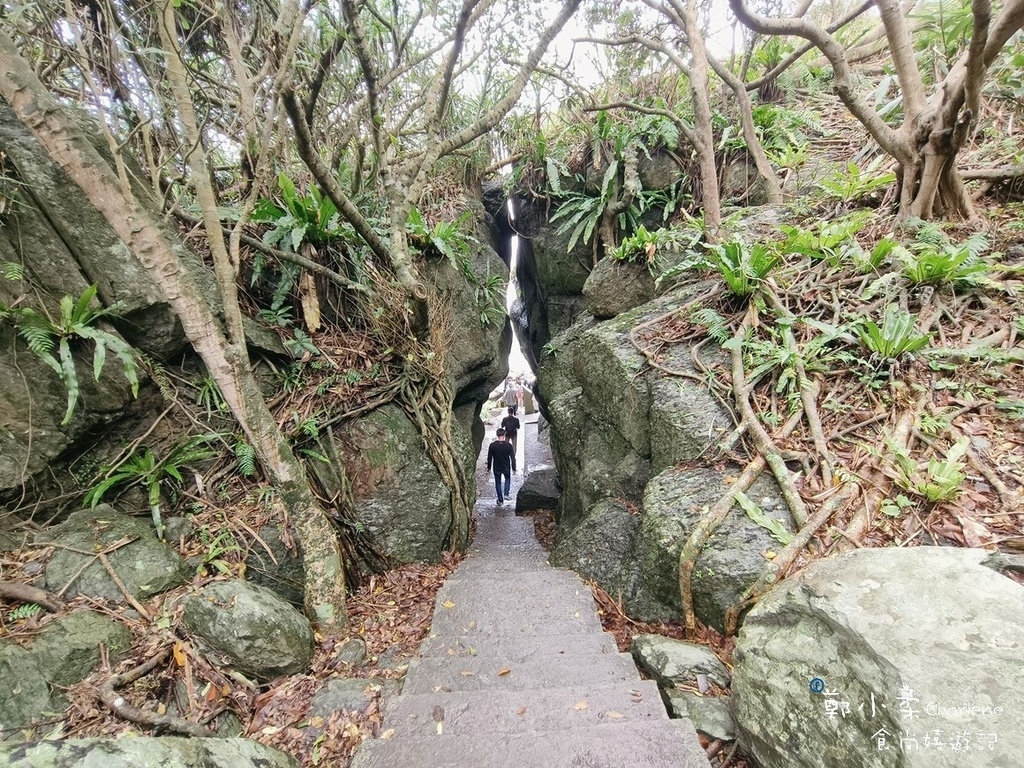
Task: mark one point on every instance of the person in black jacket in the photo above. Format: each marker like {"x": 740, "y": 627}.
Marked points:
{"x": 501, "y": 458}
{"x": 511, "y": 426}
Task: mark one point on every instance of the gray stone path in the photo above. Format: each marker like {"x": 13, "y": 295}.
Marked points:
{"x": 517, "y": 672}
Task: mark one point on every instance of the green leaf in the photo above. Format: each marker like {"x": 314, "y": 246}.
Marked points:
{"x": 70, "y": 378}
{"x": 755, "y": 513}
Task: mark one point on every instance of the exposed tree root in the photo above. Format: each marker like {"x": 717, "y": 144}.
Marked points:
{"x": 710, "y": 521}
{"x": 26, "y": 593}
{"x": 116, "y": 703}
{"x": 779, "y": 566}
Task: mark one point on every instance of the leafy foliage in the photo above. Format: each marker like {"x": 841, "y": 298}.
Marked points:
{"x": 896, "y": 337}
{"x": 742, "y": 266}
{"x": 941, "y": 480}
{"x": 933, "y": 260}
{"x": 245, "y": 455}
{"x": 296, "y": 219}
{"x": 144, "y": 468}
{"x": 644, "y": 246}
{"x": 854, "y": 183}
{"x": 78, "y": 320}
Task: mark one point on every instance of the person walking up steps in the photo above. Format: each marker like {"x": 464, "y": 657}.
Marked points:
{"x": 511, "y": 426}
{"x": 501, "y": 459}
{"x": 511, "y": 397}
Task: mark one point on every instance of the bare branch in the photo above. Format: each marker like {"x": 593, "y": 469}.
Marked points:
{"x": 893, "y": 143}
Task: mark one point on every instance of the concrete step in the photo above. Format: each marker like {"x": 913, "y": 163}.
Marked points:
{"x": 478, "y": 712}
{"x": 570, "y": 617}
{"x": 538, "y": 621}
{"x": 547, "y": 594}
{"x": 638, "y": 744}
{"x": 497, "y": 674}
{"x": 517, "y": 649}
{"x": 498, "y": 580}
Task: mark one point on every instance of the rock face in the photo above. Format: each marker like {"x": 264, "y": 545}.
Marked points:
{"x": 619, "y": 428}
{"x": 399, "y": 494}
{"x": 65, "y": 652}
{"x": 920, "y": 654}
{"x": 146, "y": 566}
{"x": 251, "y": 628}
{"x": 674, "y": 663}
{"x": 614, "y": 287}
{"x": 539, "y": 491}
{"x": 144, "y": 750}
{"x": 65, "y": 245}
{"x": 550, "y": 279}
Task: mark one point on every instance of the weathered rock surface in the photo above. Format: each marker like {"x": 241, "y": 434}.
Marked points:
{"x": 733, "y": 559}
{"x": 399, "y": 494}
{"x": 145, "y": 565}
{"x": 917, "y": 647}
{"x": 65, "y": 652}
{"x": 614, "y": 287}
{"x": 280, "y": 569}
{"x": 68, "y": 649}
{"x": 710, "y": 715}
{"x": 24, "y": 694}
{"x": 250, "y": 628}
{"x": 618, "y": 430}
{"x": 675, "y": 663}
{"x": 169, "y": 751}
{"x": 539, "y": 490}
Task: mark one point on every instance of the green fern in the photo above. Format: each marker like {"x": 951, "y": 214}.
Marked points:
{"x": 143, "y": 467}
{"x": 716, "y": 326}
{"x": 12, "y": 270}
{"x": 77, "y": 321}
{"x": 245, "y": 454}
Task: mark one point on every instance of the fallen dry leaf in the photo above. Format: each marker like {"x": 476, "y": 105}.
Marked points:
{"x": 448, "y": 604}
{"x": 503, "y": 671}
{"x": 388, "y": 733}
{"x": 613, "y": 715}
{"x": 521, "y": 711}
{"x": 584, "y": 704}
{"x": 467, "y": 673}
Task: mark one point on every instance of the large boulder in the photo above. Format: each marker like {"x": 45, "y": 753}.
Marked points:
{"x": 539, "y": 490}
{"x": 905, "y": 657}
{"x": 602, "y": 547}
{"x": 145, "y": 565}
{"x": 399, "y": 494}
{"x": 250, "y": 628}
{"x": 68, "y": 649}
{"x": 65, "y": 652}
{"x": 24, "y": 693}
{"x": 145, "y": 751}
{"x": 615, "y": 286}
{"x": 477, "y": 360}
{"x": 674, "y": 503}
{"x": 675, "y": 663}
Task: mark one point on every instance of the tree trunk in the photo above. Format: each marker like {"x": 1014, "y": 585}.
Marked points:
{"x": 70, "y": 148}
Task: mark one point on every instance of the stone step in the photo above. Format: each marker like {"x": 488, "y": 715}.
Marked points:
{"x": 478, "y": 712}
{"x": 517, "y": 649}
{"x": 503, "y": 563}
{"x": 496, "y": 674}
{"x": 497, "y": 580}
{"x": 569, "y": 617}
{"x": 547, "y": 592}
{"x": 539, "y": 621}
{"x": 639, "y": 744}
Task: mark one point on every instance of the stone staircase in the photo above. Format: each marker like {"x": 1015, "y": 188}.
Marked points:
{"x": 517, "y": 673}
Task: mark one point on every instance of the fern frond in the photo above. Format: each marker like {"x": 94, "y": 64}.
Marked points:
{"x": 245, "y": 454}
{"x": 717, "y": 326}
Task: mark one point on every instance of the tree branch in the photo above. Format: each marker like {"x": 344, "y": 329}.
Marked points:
{"x": 887, "y": 138}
